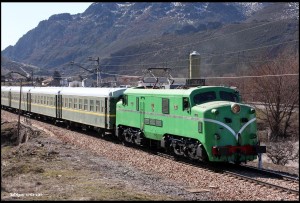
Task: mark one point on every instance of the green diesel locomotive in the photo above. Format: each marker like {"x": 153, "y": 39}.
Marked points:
{"x": 208, "y": 122}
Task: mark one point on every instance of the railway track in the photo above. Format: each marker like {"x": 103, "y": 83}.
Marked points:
{"x": 239, "y": 172}
{"x": 245, "y": 172}
{"x": 264, "y": 183}
{"x": 242, "y": 172}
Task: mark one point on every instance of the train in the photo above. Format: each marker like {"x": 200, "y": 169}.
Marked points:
{"x": 206, "y": 123}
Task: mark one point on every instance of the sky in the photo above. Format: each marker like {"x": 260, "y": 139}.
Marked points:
{"x": 19, "y": 18}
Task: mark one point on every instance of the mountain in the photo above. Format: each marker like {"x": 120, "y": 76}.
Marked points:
{"x": 18, "y": 68}
{"x": 121, "y": 33}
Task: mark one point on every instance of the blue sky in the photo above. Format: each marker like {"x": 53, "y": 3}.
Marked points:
{"x": 18, "y": 18}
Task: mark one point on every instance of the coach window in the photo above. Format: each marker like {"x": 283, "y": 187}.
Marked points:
{"x": 66, "y": 102}
{"x": 75, "y": 103}
{"x": 97, "y": 106}
{"x": 91, "y": 105}
{"x": 70, "y": 102}
{"x": 102, "y": 106}
{"x": 80, "y": 104}
{"x": 85, "y": 105}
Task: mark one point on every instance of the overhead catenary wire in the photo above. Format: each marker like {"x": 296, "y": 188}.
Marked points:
{"x": 224, "y": 77}
{"x": 203, "y": 57}
{"x": 221, "y": 35}
{"x": 217, "y": 54}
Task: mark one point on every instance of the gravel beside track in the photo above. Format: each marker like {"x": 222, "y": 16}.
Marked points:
{"x": 146, "y": 172}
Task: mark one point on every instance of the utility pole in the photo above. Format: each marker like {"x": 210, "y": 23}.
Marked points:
{"x": 97, "y": 69}
{"x": 19, "y": 113}
{"x": 32, "y": 77}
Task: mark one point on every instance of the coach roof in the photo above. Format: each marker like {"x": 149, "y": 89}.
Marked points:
{"x": 78, "y": 91}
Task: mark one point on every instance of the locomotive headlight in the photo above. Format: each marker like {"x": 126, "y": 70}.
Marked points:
{"x": 235, "y": 108}
{"x": 215, "y": 111}
{"x": 252, "y": 111}
{"x": 217, "y": 136}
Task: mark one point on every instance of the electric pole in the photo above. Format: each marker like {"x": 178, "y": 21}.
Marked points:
{"x": 19, "y": 113}
{"x": 97, "y": 69}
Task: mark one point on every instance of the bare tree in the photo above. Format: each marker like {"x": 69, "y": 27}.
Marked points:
{"x": 283, "y": 152}
{"x": 278, "y": 91}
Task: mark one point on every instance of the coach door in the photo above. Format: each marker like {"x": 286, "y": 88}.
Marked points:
{"x": 9, "y": 98}
{"x": 105, "y": 112}
{"x": 29, "y": 101}
{"x": 58, "y": 105}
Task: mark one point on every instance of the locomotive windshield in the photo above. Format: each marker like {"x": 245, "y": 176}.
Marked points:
{"x": 204, "y": 97}
{"x": 212, "y": 96}
{"x": 228, "y": 96}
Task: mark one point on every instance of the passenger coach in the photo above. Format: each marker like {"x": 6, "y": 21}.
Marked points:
{"x": 88, "y": 107}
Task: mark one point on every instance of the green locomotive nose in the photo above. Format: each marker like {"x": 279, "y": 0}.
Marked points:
{"x": 230, "y": 130}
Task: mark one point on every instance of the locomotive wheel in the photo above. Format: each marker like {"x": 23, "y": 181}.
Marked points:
{"x": 201, "y": 154}
{"x": 102, "y": 135}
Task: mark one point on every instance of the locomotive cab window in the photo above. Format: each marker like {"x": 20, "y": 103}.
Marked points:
{"x": 185, "y": 103}
{"x": 205, "y": 97}
{"x": 229, "y": 96}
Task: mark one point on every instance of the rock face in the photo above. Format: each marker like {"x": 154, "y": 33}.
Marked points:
{"x": 105, "y": 29}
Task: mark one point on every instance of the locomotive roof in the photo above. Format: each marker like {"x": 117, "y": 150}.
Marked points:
{"x": 79, "y": 91}
{"x": 183, "y": 92}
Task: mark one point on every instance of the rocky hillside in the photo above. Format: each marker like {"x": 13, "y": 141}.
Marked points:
{"x": 121, "y": 33}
